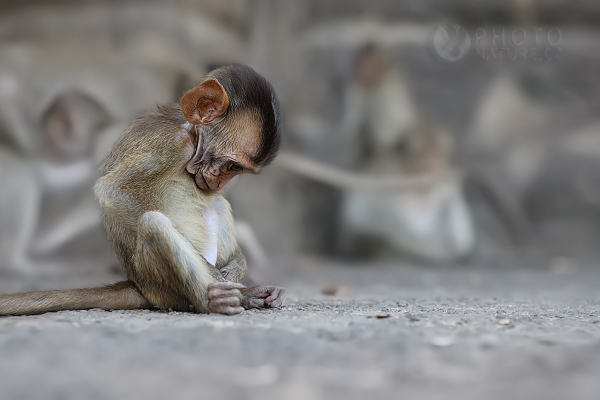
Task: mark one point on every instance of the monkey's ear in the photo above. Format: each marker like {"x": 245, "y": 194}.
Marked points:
{"x": 205, "y": 102}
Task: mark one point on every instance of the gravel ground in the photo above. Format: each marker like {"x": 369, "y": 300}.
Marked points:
{"x": 388, "y": 331}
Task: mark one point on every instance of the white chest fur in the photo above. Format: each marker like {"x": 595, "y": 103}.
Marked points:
{"x": 205, "y": 220}
{"x": 211, "y": 221}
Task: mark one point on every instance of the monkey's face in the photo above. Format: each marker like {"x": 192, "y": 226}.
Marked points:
{"x": 217, "y": 174}
{"x": 233, "y": 136}
{"x": 227, "y": 150}
{"x": 217, "y": 170}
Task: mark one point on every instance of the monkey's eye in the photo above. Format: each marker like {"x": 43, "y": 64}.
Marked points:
{"x": 235, "y": 168}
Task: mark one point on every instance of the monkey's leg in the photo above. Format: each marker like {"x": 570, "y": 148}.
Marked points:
{"x": 171, "y": 274}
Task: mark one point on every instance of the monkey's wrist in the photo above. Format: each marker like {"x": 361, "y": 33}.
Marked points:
{"x": 217, "y": 276}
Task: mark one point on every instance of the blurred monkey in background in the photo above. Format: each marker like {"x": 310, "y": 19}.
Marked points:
{"x": 48, "y": 209}
{"x": 400, "y": 190}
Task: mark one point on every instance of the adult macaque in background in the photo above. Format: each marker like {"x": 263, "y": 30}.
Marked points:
{"x": 48, "y": 209}
{"x": 431, "y": 220}
{"x": 416, "y": 207}
{"x": 172, "y": 230}
{"x": 71, "y": 127}
{"x": 507, "y": 142}
{"x": 379, "y": 109}
{"x": 399, "y": 191}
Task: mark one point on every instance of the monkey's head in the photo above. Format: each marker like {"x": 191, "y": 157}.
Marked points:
{"x": 236, "y": 118}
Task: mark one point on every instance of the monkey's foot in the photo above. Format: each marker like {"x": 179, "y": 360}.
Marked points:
{"x": 263, "y": 297}
{"x": 225, "y": 298}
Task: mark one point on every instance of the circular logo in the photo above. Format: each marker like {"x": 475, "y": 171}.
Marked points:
{"x": 450, "y": 42}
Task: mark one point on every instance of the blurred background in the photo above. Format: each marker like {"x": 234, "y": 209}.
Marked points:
{"x": 431, "y": 134}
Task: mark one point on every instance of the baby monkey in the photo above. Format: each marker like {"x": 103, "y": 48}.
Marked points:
{"x": 172, "y": 230}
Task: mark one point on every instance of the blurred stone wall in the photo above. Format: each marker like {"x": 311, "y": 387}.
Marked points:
{"x": 525, "y": 124}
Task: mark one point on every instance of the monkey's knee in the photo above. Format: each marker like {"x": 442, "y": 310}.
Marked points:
{"x": 155, "y": 226}
{"x": 154, "y": 220}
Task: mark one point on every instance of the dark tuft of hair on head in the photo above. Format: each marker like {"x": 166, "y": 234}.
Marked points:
{"x": 248, "y": 90}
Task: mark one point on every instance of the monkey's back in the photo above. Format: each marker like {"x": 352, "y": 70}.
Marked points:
{"x": 152, "y": 151}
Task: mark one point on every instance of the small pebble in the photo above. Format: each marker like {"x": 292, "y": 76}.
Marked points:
{"x": 332, "y": 290}
{"x": 411, "y": 318}
{"x": 379, "y": 316}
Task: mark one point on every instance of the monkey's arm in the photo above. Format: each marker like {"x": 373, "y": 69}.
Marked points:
{"x": 171, "y": 274}
{"x": 340, "y": 178}
{"x": 236, "y": 267}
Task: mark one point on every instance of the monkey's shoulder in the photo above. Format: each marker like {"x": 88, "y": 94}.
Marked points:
{"x": 160, "y": 136}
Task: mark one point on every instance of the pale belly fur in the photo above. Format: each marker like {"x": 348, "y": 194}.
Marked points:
{"x": 211, "y": 221}
{"x": 198, "y": 218}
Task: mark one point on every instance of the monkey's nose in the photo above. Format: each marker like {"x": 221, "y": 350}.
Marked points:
{"x": 216, "y": 184}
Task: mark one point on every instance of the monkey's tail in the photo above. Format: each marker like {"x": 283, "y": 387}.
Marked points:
{"x": 120, "y": 296}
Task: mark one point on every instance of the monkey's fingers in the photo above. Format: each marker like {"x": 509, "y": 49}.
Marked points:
{"x": 258, "y": 291}
{"x": 277, "y": 297}
{"x": 224, "y": 302}
{"x": 225, "y": 305}
{"x": 215, "y": 293}
{"x": 250, "y": 302}
{"x": 255, "y": 296}
{"x": 228, "y": 285}
{"x": 231, "y": 310}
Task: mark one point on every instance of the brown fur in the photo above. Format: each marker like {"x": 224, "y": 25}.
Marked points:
{"x": 122, "y": 295}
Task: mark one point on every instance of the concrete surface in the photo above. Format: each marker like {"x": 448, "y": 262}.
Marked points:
{"x": 387, "y": 332}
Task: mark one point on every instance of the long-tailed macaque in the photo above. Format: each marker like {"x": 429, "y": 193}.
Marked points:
{"x": 172, "y": 230}
{"x": 47, "y": 208}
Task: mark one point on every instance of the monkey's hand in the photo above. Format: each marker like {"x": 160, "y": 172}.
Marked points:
{"x": 225, "y": 298}
{"x": 263, "y": 297}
